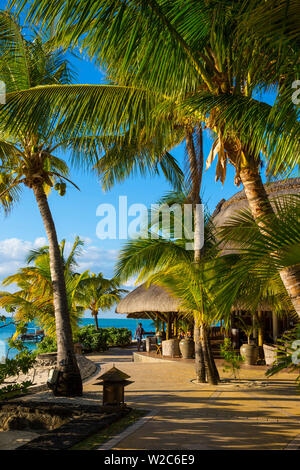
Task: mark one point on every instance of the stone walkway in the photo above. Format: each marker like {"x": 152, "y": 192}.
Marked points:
{"x": 190, "y": 416}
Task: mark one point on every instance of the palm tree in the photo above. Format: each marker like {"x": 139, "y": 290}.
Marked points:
{"x": 191, "y": 57}
{"x": 166, "y": 256}
{"x": 34, "y": 298}
{"x": 98, "y": 293}
{"x": 27, "y": 148}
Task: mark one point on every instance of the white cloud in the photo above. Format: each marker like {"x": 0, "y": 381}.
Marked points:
{"x": 131, "y": 282}
{"x": 13, "y": 252}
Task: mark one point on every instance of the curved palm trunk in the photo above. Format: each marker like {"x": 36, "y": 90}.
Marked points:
{"x": 69, "y": 380}
{"x": 95, "y": 315}
{"x": 260, "y": 206}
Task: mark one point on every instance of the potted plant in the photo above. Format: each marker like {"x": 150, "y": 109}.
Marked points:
{"x": 249, "y": 351}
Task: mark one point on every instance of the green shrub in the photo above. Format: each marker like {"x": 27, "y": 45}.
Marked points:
{"x": 232, "y": 360}
{"x": 91, "y": 339}
{"x": 118, "y": 336}
{"x": 47, "y": 345}
{"x": 21, "y": 363}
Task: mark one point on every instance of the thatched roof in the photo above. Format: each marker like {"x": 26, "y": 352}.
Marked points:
{"x": 143, "y": 300}
{"x": 226, "y": 209}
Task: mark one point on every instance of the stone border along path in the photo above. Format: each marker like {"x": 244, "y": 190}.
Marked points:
{"x": 93, "y": 420}
{"x": 186, "y": 416}
{"x": 189, "y": 417}
{"x": 128, "y": 431}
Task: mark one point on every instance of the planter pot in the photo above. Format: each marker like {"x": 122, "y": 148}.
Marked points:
{"x": 187, "y": 348}
{"x": 250, "y": 353}
{"x": 170, "y": 347}
{"x": 270, "y": 354}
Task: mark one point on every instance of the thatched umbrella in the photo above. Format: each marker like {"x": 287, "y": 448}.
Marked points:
{"x": 152, "y": 302}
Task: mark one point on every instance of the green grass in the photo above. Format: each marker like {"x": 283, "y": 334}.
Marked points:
{"x": 111, "y": 431}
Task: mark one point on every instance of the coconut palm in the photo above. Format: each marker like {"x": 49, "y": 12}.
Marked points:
{"x": 33, "y": 301}
{"x": 98, "y": 293}
{"x": 166, "y": 256}
{"x": 189, "y": 57}
{"x": 28, "y": 151}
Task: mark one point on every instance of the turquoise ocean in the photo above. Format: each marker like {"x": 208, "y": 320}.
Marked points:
{"x": 8, "y": 331}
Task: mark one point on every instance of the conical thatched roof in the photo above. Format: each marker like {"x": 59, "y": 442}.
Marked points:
{"x": 114, "y": 375}
{"x": 226, "y": 209}
{"x": 148, "y": 300}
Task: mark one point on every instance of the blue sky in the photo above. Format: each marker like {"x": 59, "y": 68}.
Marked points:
{"x": 75, "y": 213}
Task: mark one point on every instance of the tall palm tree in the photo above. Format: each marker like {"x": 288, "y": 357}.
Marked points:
{"x": 167, "y": 255}
{"x": 98, "y": 293}
{"x": 192, "y": 56}
{"x": 34, "y": 298}
{"x": 27, "y": 150}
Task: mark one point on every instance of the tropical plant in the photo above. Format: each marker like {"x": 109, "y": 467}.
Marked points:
{"x": 98, "y": 293}
{"x": 28, "y": 143}
{"x": 232, "y": 360}
{"x": 251, "y": 259}
{"x": 34, "y": 299}
{"x": 166, "y": 261}
{"x": 21, "y": 363}
{"x": 247, "y": 329}
{"x": 288, "y": 354}
{"x": 190, "y": 58}
{"x": 97, "y": 340}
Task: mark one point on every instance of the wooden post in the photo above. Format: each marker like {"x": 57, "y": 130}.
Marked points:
{"x": 168, "y": 332}
{"x": 275, "y": 326}
{"x": 260, "y": 329}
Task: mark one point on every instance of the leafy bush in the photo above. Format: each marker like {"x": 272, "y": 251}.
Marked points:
{"x": 92, "y": 339}
{"x": 47, "y": 345}
{"x": 21, "y": 363}
{"x": 118, "y": 336}
{"x": 232, "y": 360}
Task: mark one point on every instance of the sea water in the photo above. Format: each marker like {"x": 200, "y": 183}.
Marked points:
{"x": 8, "y": 331}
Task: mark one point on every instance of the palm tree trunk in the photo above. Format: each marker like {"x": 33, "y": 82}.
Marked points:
{"x": 69, "y": 380}
{"x": 199, "y": 357}
{"x": 203, "y": 354}
{"x": 210, "y": 369}
{"x": 212, "y": 360}
{"x": 260, "y": 206}
{"x": 95, "y": 315}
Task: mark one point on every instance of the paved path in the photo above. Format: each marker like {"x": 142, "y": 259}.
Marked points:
{"x": 189, "y": 416}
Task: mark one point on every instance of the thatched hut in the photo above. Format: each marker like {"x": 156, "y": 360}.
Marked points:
{"x": 226, "y": 209}
{"x": 155, "y": 302}
{"x": 152, "y": 302}
{"x": 272, "y": 326}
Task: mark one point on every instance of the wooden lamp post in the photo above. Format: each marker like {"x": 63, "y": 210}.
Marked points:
{"x": 114, "y": 381}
